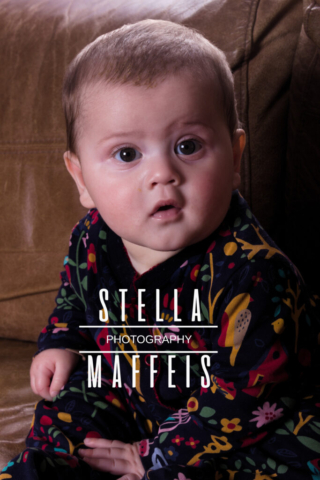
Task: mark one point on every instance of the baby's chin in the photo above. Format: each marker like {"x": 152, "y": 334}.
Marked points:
{"x": 168, "y": 247}
{"x": 154, "y": 247}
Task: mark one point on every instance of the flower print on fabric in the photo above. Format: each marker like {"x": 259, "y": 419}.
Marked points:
{"x": 196, "y": 342}
{"x": 92, "y": 259}
{"x": 231, "y": 425}
{"x": 171, "y": 453}
{"x": 266, "y": 414}
{"x": 192, "y": 442}
{"x": 177, "y": 440}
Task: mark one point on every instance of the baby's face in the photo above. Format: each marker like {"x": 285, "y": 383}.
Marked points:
{"x": 158, "y": 163}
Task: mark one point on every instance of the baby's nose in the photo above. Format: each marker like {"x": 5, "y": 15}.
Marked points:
{"x": 164, "y": 171}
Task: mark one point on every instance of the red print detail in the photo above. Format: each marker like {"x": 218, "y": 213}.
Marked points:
{"x": 45, "y": 420}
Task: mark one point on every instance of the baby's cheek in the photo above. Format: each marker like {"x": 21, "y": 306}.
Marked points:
{"x": 206, "y": 191}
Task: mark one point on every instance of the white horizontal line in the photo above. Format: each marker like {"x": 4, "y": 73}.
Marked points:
{"x": 151, "y": 351}
{"x": 148, "y": 326}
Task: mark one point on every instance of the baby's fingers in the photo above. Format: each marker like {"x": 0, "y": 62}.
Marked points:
{"x": 105, "y": 443}
{"x": 40, "y": 383}
{"x": 33, "y": 383}
{"x": 105, "y": 453}
{"x": 116, "y": 457}
{"x": 59, "y": 379}
{"x": 112, "y": 465}
{"x": 130, "y": 476}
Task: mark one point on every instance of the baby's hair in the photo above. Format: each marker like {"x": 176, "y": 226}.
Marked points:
{"x": 143, "y": 54}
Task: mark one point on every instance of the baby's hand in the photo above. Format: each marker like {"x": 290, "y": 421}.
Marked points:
{"x": 115, "y": 457}
{"x": 55, "y": 364}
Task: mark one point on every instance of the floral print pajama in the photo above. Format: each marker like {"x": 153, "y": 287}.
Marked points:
{"x": 258, "y": 416}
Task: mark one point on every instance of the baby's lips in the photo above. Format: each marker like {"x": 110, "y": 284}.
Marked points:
{"x": 164, "y": 203}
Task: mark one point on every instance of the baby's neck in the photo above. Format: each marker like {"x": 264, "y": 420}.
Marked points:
{"x": 143, "y": 258}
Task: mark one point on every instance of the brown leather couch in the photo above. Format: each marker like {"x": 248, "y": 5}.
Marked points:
{"x": 273, "y": 47}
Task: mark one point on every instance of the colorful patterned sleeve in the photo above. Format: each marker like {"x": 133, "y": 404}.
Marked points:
{"x": 64, "y": 329}
{"x": 262, "y": 350}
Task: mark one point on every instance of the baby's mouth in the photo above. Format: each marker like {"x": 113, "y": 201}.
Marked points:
{"x": 166, "y": 209}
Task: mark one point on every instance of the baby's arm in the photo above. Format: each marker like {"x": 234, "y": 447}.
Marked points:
{"x": 59, "y": 343}
{"x": 62, "y": 338}
{"x": 50, "y": 370}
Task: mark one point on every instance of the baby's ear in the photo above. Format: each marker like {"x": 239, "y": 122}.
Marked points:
{"x": 239, "y": 142}
{"x": 74, "y": 168}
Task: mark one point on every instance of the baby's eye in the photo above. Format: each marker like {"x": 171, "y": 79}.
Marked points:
{"x": 188, "y": 147}
{"x": 127, "y": 154}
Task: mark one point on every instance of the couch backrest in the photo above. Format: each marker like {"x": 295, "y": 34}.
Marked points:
{"x": 40, "y": 204}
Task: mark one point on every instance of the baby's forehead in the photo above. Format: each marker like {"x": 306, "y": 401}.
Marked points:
{"x": 211, "y": 86}
{"x": 158, "y": 110}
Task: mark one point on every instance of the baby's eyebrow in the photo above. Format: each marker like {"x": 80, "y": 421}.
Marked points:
{"x": 196, "y": 123}
{"x": 182, "y": 123}
{"x": 119, "y": 135}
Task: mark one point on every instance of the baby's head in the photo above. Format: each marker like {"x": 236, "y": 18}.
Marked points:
{"x": 153, "y": 137}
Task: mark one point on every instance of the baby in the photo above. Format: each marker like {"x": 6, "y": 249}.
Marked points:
{"x": 221, "y": 383}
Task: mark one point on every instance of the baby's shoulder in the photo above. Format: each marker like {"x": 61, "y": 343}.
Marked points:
{"x": 243, "y": 249}
{"x": 87, "y": 244}
{"x": 89, "y": 225}
{"x": 250, "y": 239}
{"x": 88, "y": 235}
